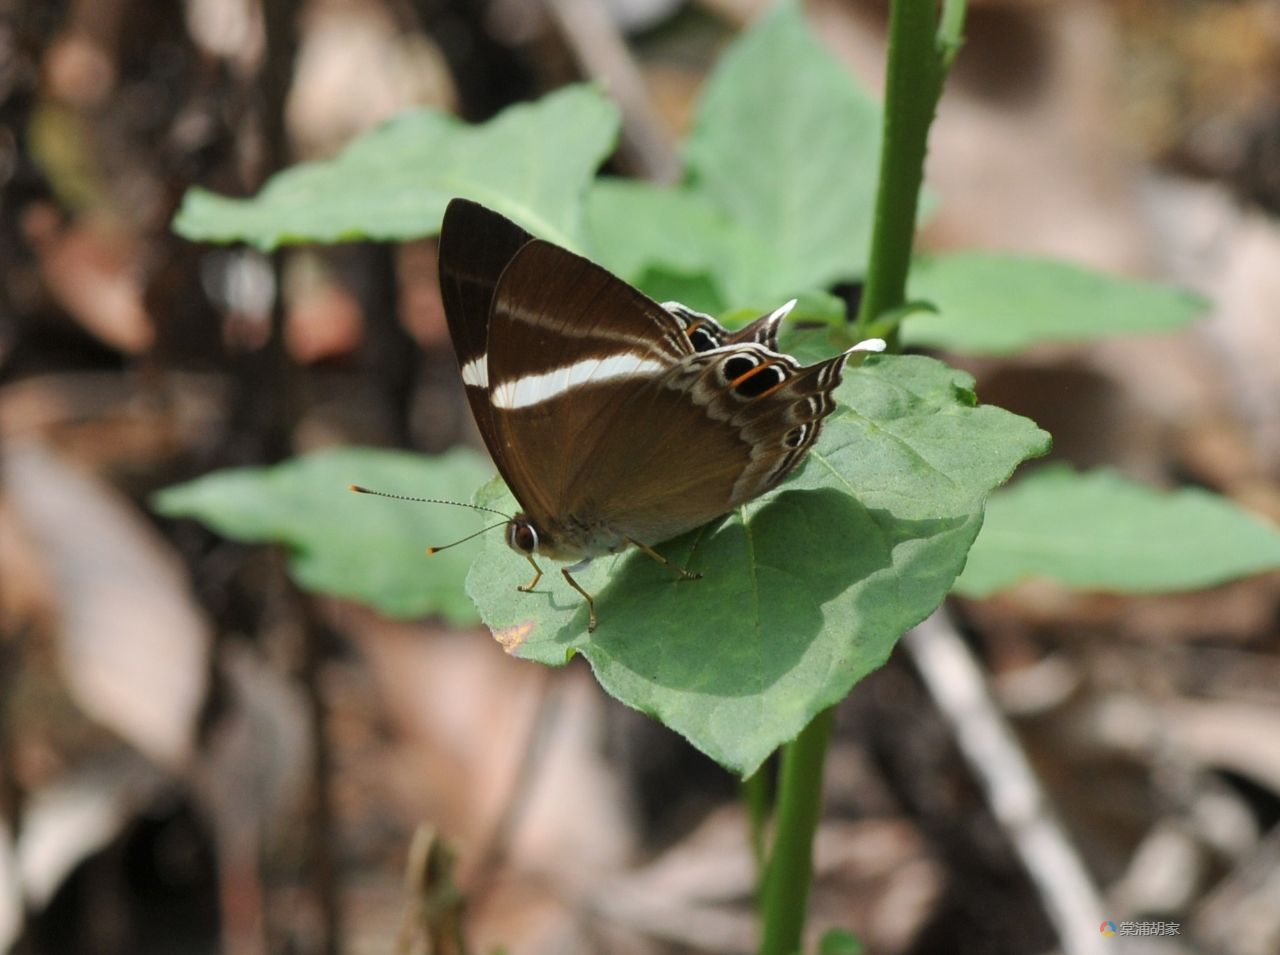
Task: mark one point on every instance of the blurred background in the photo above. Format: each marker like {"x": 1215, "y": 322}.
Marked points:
{"x": 196, "y": 756}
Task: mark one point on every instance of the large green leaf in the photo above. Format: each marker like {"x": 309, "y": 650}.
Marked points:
{"x": 1101, "y": 531}
{"x": 641, "y": 230}
{"x": 352, "y": 545}
{"x": 532, "y": 162}
{"x": 805, "y": 590}
{"x": 999, "y": 304}
{"x": 787, "y": 145}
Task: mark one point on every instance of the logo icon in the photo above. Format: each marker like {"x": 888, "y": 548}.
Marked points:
{"x": 1108, "y": 929}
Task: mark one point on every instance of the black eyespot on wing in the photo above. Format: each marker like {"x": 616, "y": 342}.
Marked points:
{"x": 759, "y": 381}
{"x": 702, "y": 338}
{"x": 737, "y": 366}
{"x": 703, "y": 331}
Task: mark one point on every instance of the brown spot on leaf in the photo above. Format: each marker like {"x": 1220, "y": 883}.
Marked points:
{"x": 512, "y": 637}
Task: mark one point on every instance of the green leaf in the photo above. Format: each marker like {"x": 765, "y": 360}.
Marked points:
{"x": 1101, "y": 531}
{"x": 640, "y": 229}
{"x": 694, "y": 289}
{"x": 787, "y": 146}
{"x": 533, "y": 162}
{"x": 839, "y": 942}
{"x": 672, "y": 243}
{"x": 353, "y": 545}
{"x": 805, "y": 590}
{"x": 998, "y": 304}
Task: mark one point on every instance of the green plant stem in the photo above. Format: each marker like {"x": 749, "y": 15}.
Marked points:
{"x": 922, "y": 45}
{"x": 755, "y": 794}
{"x": 785, "y": 894}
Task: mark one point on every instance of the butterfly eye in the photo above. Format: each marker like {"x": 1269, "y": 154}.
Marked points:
{"x": 521, "y": 536}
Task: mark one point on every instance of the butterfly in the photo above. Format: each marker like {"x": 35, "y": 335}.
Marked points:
{"x": 614, "y": 420}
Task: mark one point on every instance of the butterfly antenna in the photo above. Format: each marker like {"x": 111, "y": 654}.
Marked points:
{"x": 436, "y": 550}
{"x": 426, "y": 500}
{"x": 435, "y": 500}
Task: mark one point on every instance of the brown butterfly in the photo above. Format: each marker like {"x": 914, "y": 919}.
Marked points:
{"x": 614, "y": 420}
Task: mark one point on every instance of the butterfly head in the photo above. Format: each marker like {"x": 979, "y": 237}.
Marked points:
{"x": 522, "y": 537}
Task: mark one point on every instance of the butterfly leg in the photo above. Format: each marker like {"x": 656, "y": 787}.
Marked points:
{"x": 685, "y": 574}
{"x": 528, "y": 588}
{"x": 591, "y": 604}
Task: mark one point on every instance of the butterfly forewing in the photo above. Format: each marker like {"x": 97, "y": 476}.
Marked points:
{"x": 568, "y": 342}
{"x": 475, "y": 246}
{"x": 670, "y": 472}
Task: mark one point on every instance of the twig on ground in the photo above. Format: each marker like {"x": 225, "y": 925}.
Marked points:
{"x": 1241, "y": 916}
{"x": 648, "y": 147}
{"x": 1071, "y": 900}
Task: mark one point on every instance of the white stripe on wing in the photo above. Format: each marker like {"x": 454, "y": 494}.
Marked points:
{"x": 476, "y": 372}
{"x": 535, "y": 389}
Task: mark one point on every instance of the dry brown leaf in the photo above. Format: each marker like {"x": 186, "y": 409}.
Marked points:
{"x": 11, "y": 902}
{"x": 873, "y": 877}
{"x": 421, "y": 310}
{"x": 355, "y": 67}
{"x": 133, "y": 646}
{"x": 231, "y": 29}
{"x": 466, "y": 715}
{"x": 65, "y": 823}
{"x": 526, "y": 916}
{"x": 1241, "y": 737}
{"x": 252, "y": 780}
{"x": 1023, "y": 155}
{"x": 324, "y": 323}
{"x": 1207, "y": 243}
{"x": 79, "y": 71}
{"x": 92, "y": 272}
{"x": 1234, "y": 613}
{"x": 103, "y": 422}
{"x": 256, "y": 766}
{"x": 503, "y": 758}
{"x": 1241, "y": 916}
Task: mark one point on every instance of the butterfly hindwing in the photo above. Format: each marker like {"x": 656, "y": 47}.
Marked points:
{"x": 705, "y": 333}
{"x": 721, "y": 428}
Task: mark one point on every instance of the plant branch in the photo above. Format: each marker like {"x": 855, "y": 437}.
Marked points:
{"x": 785, "y": 894}
{"x": 921, "y": 49}
{"x": 922, "y": 46}
{"x": 755, "y": 794}
{"x": 647, "y": 146}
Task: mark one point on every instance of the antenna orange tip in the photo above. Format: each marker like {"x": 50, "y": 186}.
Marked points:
{"x": 431, "y": 550}
{"x": 355, "y": 487}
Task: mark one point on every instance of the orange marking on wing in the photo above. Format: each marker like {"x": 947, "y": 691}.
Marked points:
{"x": 754, "y": 371}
